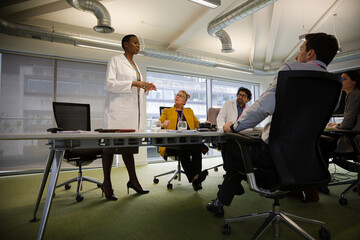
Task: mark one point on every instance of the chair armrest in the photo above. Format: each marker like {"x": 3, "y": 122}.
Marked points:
{"x": 244, "y": 141}
{"x": 54, "y": 130}
{"x": 351, "y": 134}
{"x": 244, "y": 138}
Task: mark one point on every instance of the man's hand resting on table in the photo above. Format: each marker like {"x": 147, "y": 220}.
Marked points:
{"x": 332, "y": 126}
{"x": 226, "y": 127}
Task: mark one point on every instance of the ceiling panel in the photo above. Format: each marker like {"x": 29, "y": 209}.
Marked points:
{"x": 181, "y": 25}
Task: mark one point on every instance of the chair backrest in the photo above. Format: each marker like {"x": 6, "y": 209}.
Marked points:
{"x": 305, "y": 101}
{"x": 161, "y": 109}
{"x": 212, "y": 115}
{"x": 72, "y": 116}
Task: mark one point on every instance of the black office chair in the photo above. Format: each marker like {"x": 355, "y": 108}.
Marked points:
{"x": 349, "y": 161}
{"x": 74, "y": 117}
{"x": 305, "y": 101}
{"x": 211, "y": 117}
{"x": 176, "y": 173}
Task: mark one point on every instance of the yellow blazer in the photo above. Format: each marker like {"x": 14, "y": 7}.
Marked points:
{"x": 171, "y": 114}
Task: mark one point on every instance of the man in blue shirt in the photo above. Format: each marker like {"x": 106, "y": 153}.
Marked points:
{"x": 315, "y": 54}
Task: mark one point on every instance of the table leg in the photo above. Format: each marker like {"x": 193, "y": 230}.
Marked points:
{"x": 43, "y": 183}
{"x": 58, "y": 157}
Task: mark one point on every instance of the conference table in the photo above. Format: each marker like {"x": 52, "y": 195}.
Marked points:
{"x": 60, "y": 142}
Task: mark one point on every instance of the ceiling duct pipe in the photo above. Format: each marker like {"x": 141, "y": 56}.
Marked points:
{"x": 215, "y": 27}
{"x": 101, "y": 13}
{"x": 225, "y": 41}
{"x": 38, "y": 33}
{"x": 346, "y": 56}
{"x": 25, "y": 31}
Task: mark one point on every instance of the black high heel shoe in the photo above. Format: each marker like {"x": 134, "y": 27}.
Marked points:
{"x": 110, "y": 197}
{"x": 142, "y": 191}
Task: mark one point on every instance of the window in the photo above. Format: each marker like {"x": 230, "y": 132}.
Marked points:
{"x": 168, "y": 85}
{"x": 27, "y": 92}
{"x": 26, "y": 85}
{"x": 82, "y": 83}
{"x": 223, "y": 91}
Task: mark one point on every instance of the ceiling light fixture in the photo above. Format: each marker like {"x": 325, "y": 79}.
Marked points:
{"x": 302, "y": 37}
{"x": 208, "y": 3}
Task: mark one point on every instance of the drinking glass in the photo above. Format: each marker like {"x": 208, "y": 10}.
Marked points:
{"x": 182, "y": 125}
{"x": 155, "y": 125}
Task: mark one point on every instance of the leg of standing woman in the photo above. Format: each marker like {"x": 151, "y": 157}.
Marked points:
{"x": 133, "y": 180}
{"x": 107, "y": 159}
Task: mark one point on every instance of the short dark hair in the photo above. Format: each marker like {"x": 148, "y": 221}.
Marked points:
{"x": 247, "y": 91}
{"x": 126, "y": 39}
{"x": 325, "y": 46}
{"x": 354, "y": 76}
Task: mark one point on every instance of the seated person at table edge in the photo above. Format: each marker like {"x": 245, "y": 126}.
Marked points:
{"x": 233, "y": 109}
{"x": 189, "y": 155}
{"x": 315, "y": 54}
{"x": 351, "y": 120}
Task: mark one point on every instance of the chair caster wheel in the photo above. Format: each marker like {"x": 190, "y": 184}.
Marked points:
{"x": 169, "y": 186}
{"x": 216, "y": 169}
{"x": 343, "y": 201}
{"x": 67, "y": 186}
{"x": 324, "y": 233}
{"x": 156, "y": 180}
{"x": 176, "y": 177}
{"x": 324, "y": 190}
{"x": 226, "y": 229}
{"x": 79, "y": 198}
{"x": 99, "y": 185}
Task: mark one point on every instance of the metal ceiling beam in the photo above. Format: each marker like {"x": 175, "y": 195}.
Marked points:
{"x": 36, "y": 11}
{"x": 205, "y": 17}
{"x": 274, "y": 27}
{"x": 316, "y": 26}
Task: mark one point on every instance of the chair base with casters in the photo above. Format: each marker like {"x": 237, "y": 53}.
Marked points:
{"x": 175, "y": 174}
{"x": 354, "y": 183}
{"x": 349, "y": 161}
{"x": 216, "y": 168}
{"x": 75, "y": 117}
{"x": 274, "y": 218}
{"x": 79, "y": 179}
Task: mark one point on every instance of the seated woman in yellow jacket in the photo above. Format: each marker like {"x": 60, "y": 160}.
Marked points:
{"x": 189, "y": 155}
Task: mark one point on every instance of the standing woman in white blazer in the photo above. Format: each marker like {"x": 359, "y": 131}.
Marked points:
{"x": 124, "y": 109}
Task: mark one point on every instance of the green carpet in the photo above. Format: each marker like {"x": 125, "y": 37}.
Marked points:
{"x": 163, "y": 214}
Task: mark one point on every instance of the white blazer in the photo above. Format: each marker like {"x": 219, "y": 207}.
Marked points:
{"x": 228, "y": 113}
{"x": 124, "y": 105}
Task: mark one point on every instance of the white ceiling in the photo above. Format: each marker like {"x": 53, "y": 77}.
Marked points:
{"x": 263, "y": 40}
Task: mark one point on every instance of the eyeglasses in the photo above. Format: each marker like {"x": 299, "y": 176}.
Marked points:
{"x": 179, "y": 95}
{"x": 242, "y": 95}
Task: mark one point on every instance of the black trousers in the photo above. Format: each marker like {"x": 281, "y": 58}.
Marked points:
{"x": 190, "y": 158}
{"x": 235, "y": 171}
{"x": 265, "y": 171}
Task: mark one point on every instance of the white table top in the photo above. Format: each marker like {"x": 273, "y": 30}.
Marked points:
{"x": 97, "y": 135}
